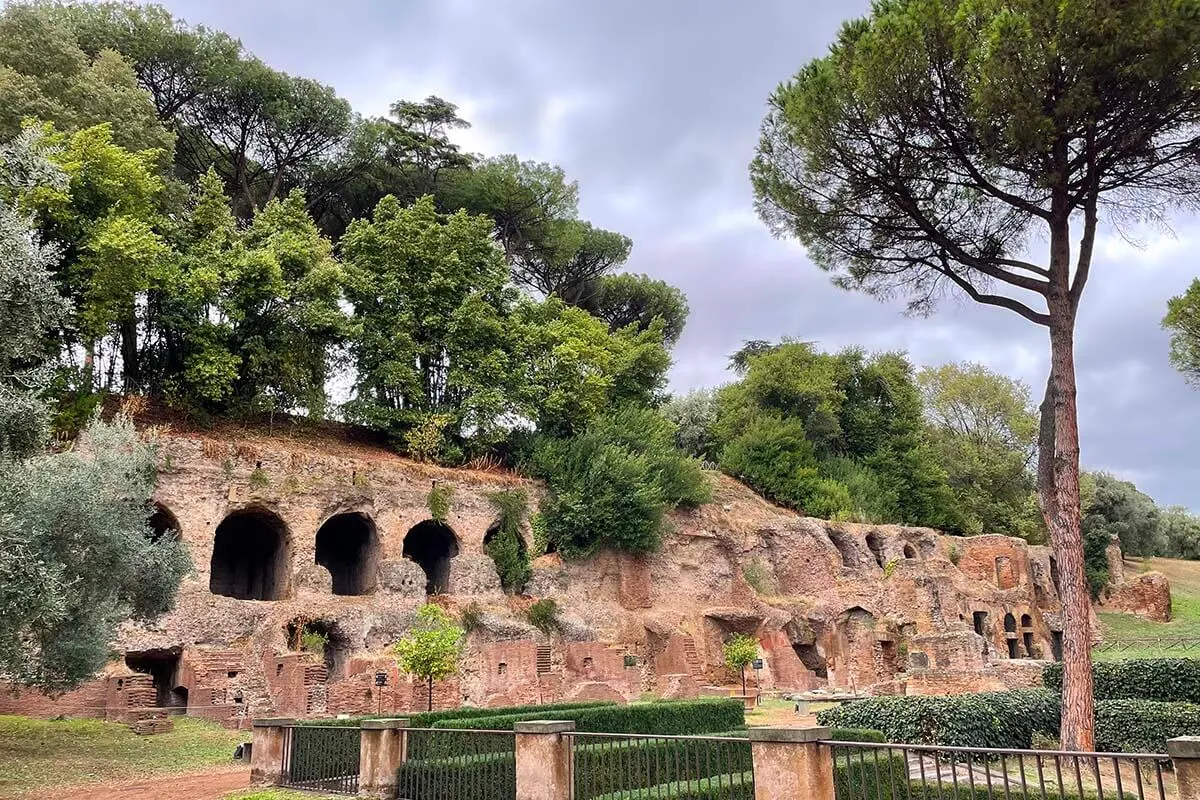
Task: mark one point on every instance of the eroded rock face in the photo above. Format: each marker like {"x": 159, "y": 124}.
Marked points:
{"x": 868, "y": 607}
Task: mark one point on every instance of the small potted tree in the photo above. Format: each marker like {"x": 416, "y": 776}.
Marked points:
{"x": 740, "y": 652}
{"x": 432, "y": 648}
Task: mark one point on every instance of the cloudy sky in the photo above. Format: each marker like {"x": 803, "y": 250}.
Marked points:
{"x": 654, "y": 107}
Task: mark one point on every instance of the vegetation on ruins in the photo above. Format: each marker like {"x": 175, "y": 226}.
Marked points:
{"x": 505, "y": 545}
{"x": 543, "y": 615}
{"x": 432, "y": 647}
{"x": 938, "y": 138}
{"x": 739, "y": 652}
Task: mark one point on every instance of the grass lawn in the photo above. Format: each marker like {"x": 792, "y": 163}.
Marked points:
{"x": 38, "y": 753}
{"x": 1185, "y": 613}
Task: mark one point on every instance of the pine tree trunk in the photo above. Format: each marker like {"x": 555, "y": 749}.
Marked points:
{"x": 1058, "y": 489}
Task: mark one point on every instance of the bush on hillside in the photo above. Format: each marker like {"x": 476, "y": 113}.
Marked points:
{"x": 679, "y": 718}
{"x": 426, "y": 719}
{"x": 1162, "y": 679}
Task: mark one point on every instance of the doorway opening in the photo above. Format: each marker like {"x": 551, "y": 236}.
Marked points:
{"x": 348, "y": 546}
{"x": 432, "y": 544}
{"x": 251, "y": 554}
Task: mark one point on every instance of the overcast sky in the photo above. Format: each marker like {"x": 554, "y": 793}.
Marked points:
{"x": 654, "y": 107}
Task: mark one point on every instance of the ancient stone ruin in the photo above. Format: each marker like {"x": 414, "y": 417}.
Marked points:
{"x": 337, "y": 540}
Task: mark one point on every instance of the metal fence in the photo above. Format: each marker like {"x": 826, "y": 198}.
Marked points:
{"x": 321, "y": 758}
{"x": 458, "y": 764}
{"x": 867, "y": 771}
{"x": 607, "y": 766}
{"x": 1122, "y": 645}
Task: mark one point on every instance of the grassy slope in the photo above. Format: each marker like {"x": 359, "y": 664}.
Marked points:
{"x": 40, "y": 753}
{"x": 1185, "y": 613}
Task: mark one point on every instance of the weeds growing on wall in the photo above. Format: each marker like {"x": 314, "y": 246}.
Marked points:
{"x": 505, "y": 545}
{"x": 543, "y": 615}
{"x": 759, "y": 577}
{"x": 440, "y": 497}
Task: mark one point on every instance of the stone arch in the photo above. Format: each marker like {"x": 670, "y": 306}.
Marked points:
{"x": 910, "y": 551}
{"x": 432, "y": 544}
{"x": 348, "y": 546}
{"x": 845, "y": 547}
{"x": 1010, "y": 623}
{"x": 1026, "y": 621}
{"x": 251, "y": 556}
{"x": 876, "y": 545}
{"x": 163, "y": 523}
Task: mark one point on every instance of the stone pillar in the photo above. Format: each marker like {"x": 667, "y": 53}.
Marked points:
{"x": 266, "y": 750}
{"x": 543, "y": 759}
{"x": 1185, "y": 754}
{"x": 791, "y": 764}
{"x": 383, "y": 747}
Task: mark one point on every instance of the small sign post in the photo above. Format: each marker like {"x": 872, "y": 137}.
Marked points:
{"x": 380, "y": 682}
{"x": 758, "y": 664}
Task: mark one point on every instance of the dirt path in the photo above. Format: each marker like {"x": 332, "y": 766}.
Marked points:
{"x": 211, "y": 784}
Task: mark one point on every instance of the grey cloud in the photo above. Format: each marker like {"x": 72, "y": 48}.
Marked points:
{"x": 654, "y": 107}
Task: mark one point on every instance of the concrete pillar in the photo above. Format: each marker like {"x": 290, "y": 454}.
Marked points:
{"x": 791, "y": 764}
{"x": 383, "y": 747}
{"x": 543, "y": 759}
{"x": 266, "y": 751}
{"x": 1185, "y": 754}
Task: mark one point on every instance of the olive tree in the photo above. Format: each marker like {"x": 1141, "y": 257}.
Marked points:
{"x": 941, "y": 144}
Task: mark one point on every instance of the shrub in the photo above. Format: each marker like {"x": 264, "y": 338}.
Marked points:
{"x": 471, "y": 617}
{"x": 1164, "y": 679}
{"x": 682, "y": 717}
{"x": 488, "y": 776}
{"x": 425, "y": 719}
{"x": 618, "y": 767}
{"x": 440, "y": 497}
{"x": 543, "y": 615}
{"x": 868, "y": 779}
{"x": 505, "y": 547}
{"x": 1143, "y": 726}
{"x": 611, "y": 485}
{"x": 989, "y": 719}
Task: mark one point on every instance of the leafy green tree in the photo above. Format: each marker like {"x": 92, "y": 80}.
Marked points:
{"x": 45, "y": 74}
{"x": 937, "y": 138}
{"x": 1117, "y": 509}
{"x": 504, "y": 543}
{"x": 740, "y": 652}
{"x": 1180, "y": 532}
{"x": 773, "y": 456}
{"x": 432, "y": 312}
{"x": 983, "y": 428}
{"x": 611, "y": 485}
{"x": 1183, "y": 321}
{"x": 693, "y": 415}
{"x": 432, "y": 647}
{"x": 77, "y": 556}
{"x": 31, "y": 309}
{"x": 627, "y": 299}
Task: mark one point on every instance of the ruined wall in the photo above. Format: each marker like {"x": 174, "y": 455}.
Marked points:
{"x": 870, "y": 608}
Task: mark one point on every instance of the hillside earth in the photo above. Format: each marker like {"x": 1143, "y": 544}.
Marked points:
{"x": 292, "y": 534}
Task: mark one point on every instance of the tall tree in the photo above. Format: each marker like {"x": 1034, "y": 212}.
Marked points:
{"x": 1183, "y": 321}
{"x": 628, "y": 299}
{"x": 935, "y": 141}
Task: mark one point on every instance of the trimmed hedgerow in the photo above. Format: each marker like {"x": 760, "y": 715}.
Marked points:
{"x": 866, "y": 778}
{"x": 426, "y": 719}
{"x": 619, "y": 766}
{"x": 990, "y": 719}
{"x": 1167, "y": 680}
{"x": 681, "y": 717}
{"x": 1143, "y": 726}
{"x": 490, "y": 776}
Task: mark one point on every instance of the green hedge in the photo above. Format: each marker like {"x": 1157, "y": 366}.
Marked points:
{"x": 426, "y": 719}
{"x": 605, "y": 767}
{"x": 1143, "y": 726}
{"x": 989, "y": 719}
{"x": 734, "y": 786}
{"x": 1170, "y": 680}
{"x": 868, "y": 779}
{"x": 679, "y": 717}
{"x": 482, "y": 777}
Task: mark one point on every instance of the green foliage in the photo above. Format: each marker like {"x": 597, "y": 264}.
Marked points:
{"x": 740, "y": 651}
{"x": 426, "y": 719}
{"x": 505, "y": 545}
{"x": 1183, "y": 322}
{"x": 668, "y": 767}
{"x": 1143, "y": 726}
{"x": 1162, "y": 679}
{"x": 471, "y": 617}
{"x": 432, "y": 647}
{"x": 627, "y": 299}
{"x": 259, "y": 480}
{"x": 758, "y": 575}
{"x": 862, "y": 778}
{"x": 680, "y": 717}
{"x": 988, "y": 719}
{"x": 1117, "y": 508}
{"x": 426, "y": 439}
{"x": 77, "y": 557}
{"x": 543, "y": 615}
{"x": 487, "y": 776}
{"x": 983, "y": 428}
{"x": 314, "y": 641}
{"x": 954, "y": 554}
{"x": 890, "y": 567}
{"x": 30, "y": 304}
{"x": 611, "y": 485}
{"x": 693, "y": 416}
{"x": 441, "y": 495}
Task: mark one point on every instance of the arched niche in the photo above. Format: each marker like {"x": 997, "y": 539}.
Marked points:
{"x": 348, "y": 546}
{"x": 432, "y": 544}
{"x": 251, "y": 556}
{"x": 163, "y": 523}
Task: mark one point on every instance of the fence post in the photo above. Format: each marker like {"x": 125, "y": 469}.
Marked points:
{"x": 791, "y": 764}
{"x": 266, "y": 750}
{"x": 1185, "y": 755}
{"x": 382, "y": 748}
{"x": 543, "y": 757}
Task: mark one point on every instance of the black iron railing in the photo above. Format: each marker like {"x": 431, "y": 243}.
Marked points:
{"x": 458, "y": 764}
{"x": 868, "y": 771}
{"x": 321, "y": 758}
{"x": 607, "y": 766}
